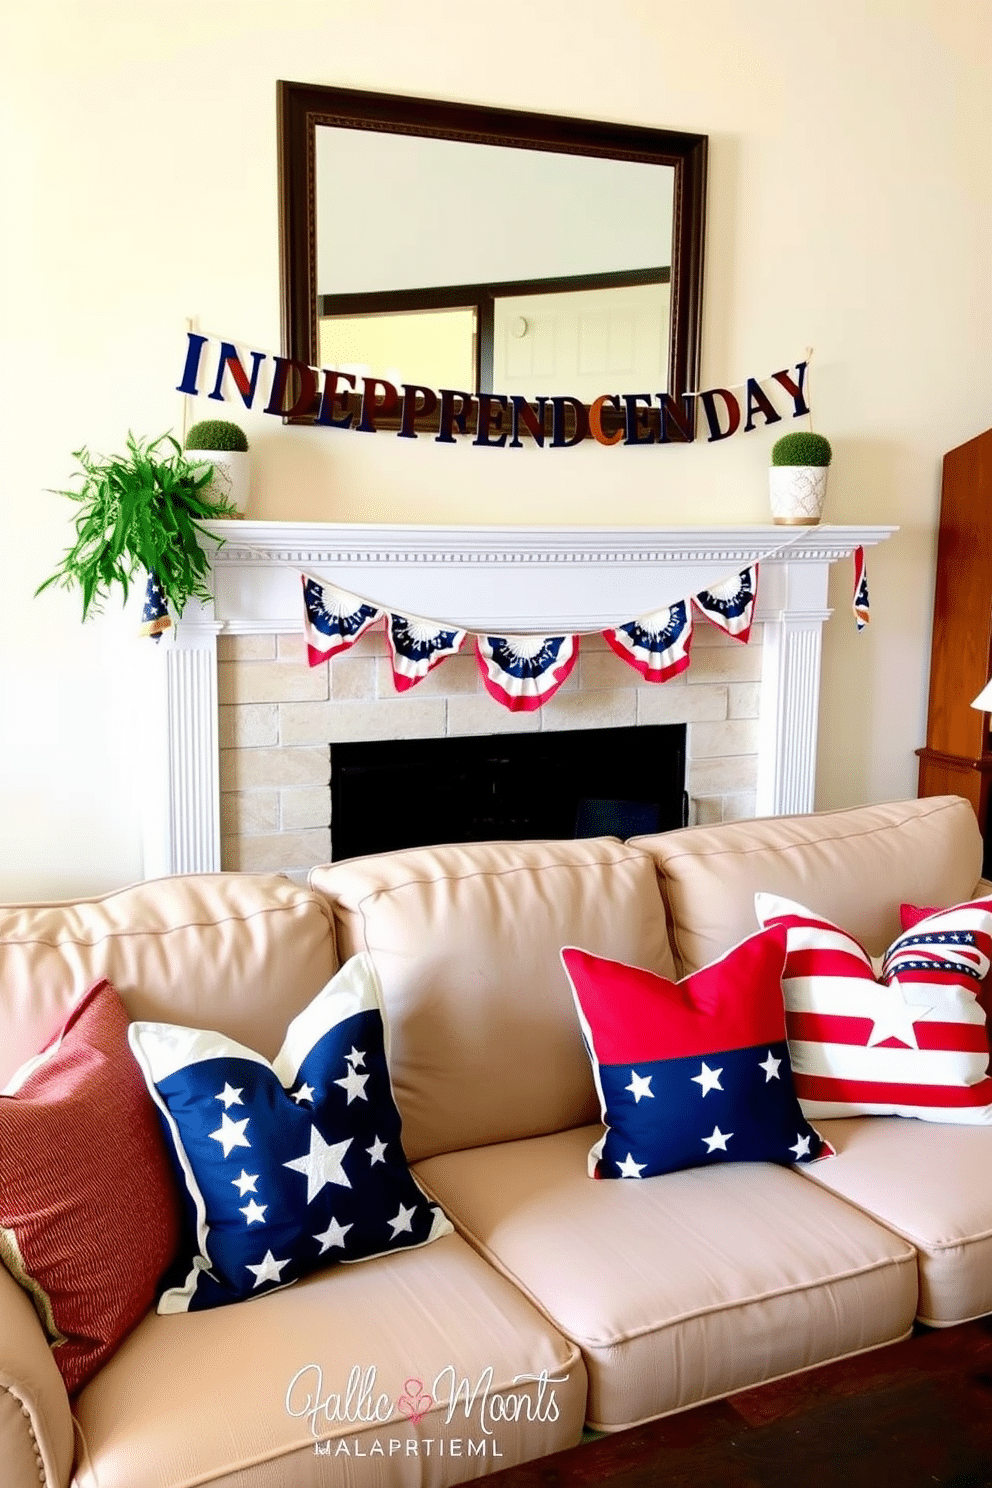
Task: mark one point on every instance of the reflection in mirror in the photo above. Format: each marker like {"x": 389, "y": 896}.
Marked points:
{"x": 454, "y": 246}
{"x": 506, "y": 278}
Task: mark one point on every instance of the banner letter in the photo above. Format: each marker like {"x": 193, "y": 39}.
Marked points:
{"x": 684, "y": 418}
{"x": 451, "y": 417}
{"x": 372, "y": 405}
{"x": 229, "y": 358}
{"x": 558, "y": 439}
{"x": 307, "y": 399}
{"x": 795, "y": 390}
{"x": 596, "y": 420}
{"x": 486, "y": 401}
{"x": 636, "y": 432}
{"x": 759, "y": 402}
{"x": 412, "y": 410}
{"x": 334, "y": 395}
{"x": 713, "y": 417}
{"x": 192, "y": 367}
{"x": 531, "y": 418}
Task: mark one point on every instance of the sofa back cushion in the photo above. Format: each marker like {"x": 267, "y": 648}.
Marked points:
{"x": 239, "y": 953}
{"x": 483, "y": 1041}
{"x": 855, "y": 867}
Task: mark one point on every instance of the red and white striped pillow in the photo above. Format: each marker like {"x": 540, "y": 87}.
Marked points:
{"x": 909, "y": 1041}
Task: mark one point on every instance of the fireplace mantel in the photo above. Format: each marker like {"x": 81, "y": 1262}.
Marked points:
{"x": 490, "y": 579}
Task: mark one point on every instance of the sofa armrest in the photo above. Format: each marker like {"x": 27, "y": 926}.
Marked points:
{"x": 36, "y": 1438}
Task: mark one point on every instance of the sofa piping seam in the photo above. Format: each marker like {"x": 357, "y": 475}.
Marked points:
{"x": 873, "y": 831}
{"x": 25, "y": 1412}
{"x": 444, "y": 878}
{"x": 114, "y": 934}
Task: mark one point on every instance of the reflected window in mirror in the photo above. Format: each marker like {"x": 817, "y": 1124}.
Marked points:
{"x": 450, "y": 245}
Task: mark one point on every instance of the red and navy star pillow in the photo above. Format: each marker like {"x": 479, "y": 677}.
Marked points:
{"x": 286, "y": 1167}
{"x": 691, "y": 1073}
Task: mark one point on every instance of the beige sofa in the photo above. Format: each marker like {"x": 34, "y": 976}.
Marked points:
{"x": 561, "y": 1300}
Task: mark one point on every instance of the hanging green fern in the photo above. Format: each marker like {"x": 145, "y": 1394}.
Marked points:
{"x": 140, "y": 512}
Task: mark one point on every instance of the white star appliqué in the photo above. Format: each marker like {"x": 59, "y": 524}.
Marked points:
{"x": 377, "y": 1152}
{"x": 254, "y": 1213}
{"x": 355, "y": 1057}
{"x": 267, "y": 1270}
{"x": 305, "y": 1093}
{"x": 246, "y": 1183}
{"x": 403, "y": 1221}
{"x": 322, "y": 1164}
{"x": 893, "y": 1016}
{"x": 230, "y": 1096}
{"x": 231, "y": 1134}
{"x": 718, "y": 1141}
{"x": 770, "y": 1067}
{"x": 333, "y": 1235}
{"x": 800, "y": 1147}
{"x": 354, "y": 1084}
{"x": 629, "y": 1168}
{"x": 708, "y": 1079}
{"x": 640, "y": 1086}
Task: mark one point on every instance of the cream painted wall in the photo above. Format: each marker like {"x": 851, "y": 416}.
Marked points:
{"x": 849, "y": 209}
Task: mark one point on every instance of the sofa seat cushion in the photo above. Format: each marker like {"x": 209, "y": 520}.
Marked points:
{"x": 344, "y": 1378}
{"x": 855, "y": 866}
{"x": 685, "y": 1287}
{"x": 931, "y": 1184}
{"x": 484, "y": 1044}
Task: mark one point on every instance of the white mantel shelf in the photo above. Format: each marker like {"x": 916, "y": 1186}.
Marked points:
{"x": 517, "y": 578}
{"x": 495, "y": 580}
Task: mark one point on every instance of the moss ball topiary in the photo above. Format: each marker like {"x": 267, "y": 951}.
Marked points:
{"x": 216, "y": 434}
{"x": 802, "y": 449}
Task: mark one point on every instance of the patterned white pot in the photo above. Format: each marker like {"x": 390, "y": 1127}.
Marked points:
{"x": 797, "y": 493}
{"x": 230, "y": 478}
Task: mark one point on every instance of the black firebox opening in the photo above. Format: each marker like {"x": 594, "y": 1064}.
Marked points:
{"x": 395, "y": 793}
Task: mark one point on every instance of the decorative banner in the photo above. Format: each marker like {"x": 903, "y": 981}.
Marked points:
{"x": 155, "y": 615}
{"x": 332, "y": 619}
{"x": 656, "y": 645}
{"x": 861, "y": 603}
{"x": 416, "y": 646}
{"x": 330, "y": 399}
{"x": 522, "y": 672}
{"x": 730, "y": 605}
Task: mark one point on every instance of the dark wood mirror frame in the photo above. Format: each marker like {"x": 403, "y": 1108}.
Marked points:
{"x": 302, "y": 107}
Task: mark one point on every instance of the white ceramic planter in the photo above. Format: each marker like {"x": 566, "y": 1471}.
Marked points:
{"x": 797, "y": 493}
{"x": 230, "y": 478}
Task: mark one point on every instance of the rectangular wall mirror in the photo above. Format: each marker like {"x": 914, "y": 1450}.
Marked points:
{"x": 488, "y": 250}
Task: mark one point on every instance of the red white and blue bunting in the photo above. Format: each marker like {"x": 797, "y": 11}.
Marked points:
{"x": 522, "y": 671}
{"x": 860, "y": 603}
{"x": 656, "y": 645}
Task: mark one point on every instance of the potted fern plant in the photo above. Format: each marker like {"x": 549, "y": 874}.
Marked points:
{"x": 225, "y": 446}
{"x": 798, "y": 478}
{"x": 139, "y": 512}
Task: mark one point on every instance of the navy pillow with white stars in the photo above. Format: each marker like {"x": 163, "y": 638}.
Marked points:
{"x": 694, "y": 1073}
{"x": 284, "y": 1167}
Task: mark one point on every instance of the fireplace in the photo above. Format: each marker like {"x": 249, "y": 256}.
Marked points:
{"x": 394, "y": 793}
{"x": 235, "y": 726}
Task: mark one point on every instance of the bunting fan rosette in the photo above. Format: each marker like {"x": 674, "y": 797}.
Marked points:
{"x": 522, "y": 672}
{"x": 332, "y": 619}
{"x": 656, "y": 645}
{"x": 417, "y": 646}
{"x": 730, "y": 604}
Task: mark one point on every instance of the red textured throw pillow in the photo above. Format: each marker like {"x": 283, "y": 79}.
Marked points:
{"x": 88, "y": 1209}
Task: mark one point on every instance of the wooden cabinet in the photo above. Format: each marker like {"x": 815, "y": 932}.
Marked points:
{"x": 957, "y": 757}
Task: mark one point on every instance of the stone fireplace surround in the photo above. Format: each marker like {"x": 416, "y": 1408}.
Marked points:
{"x": 238, "y": 726}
